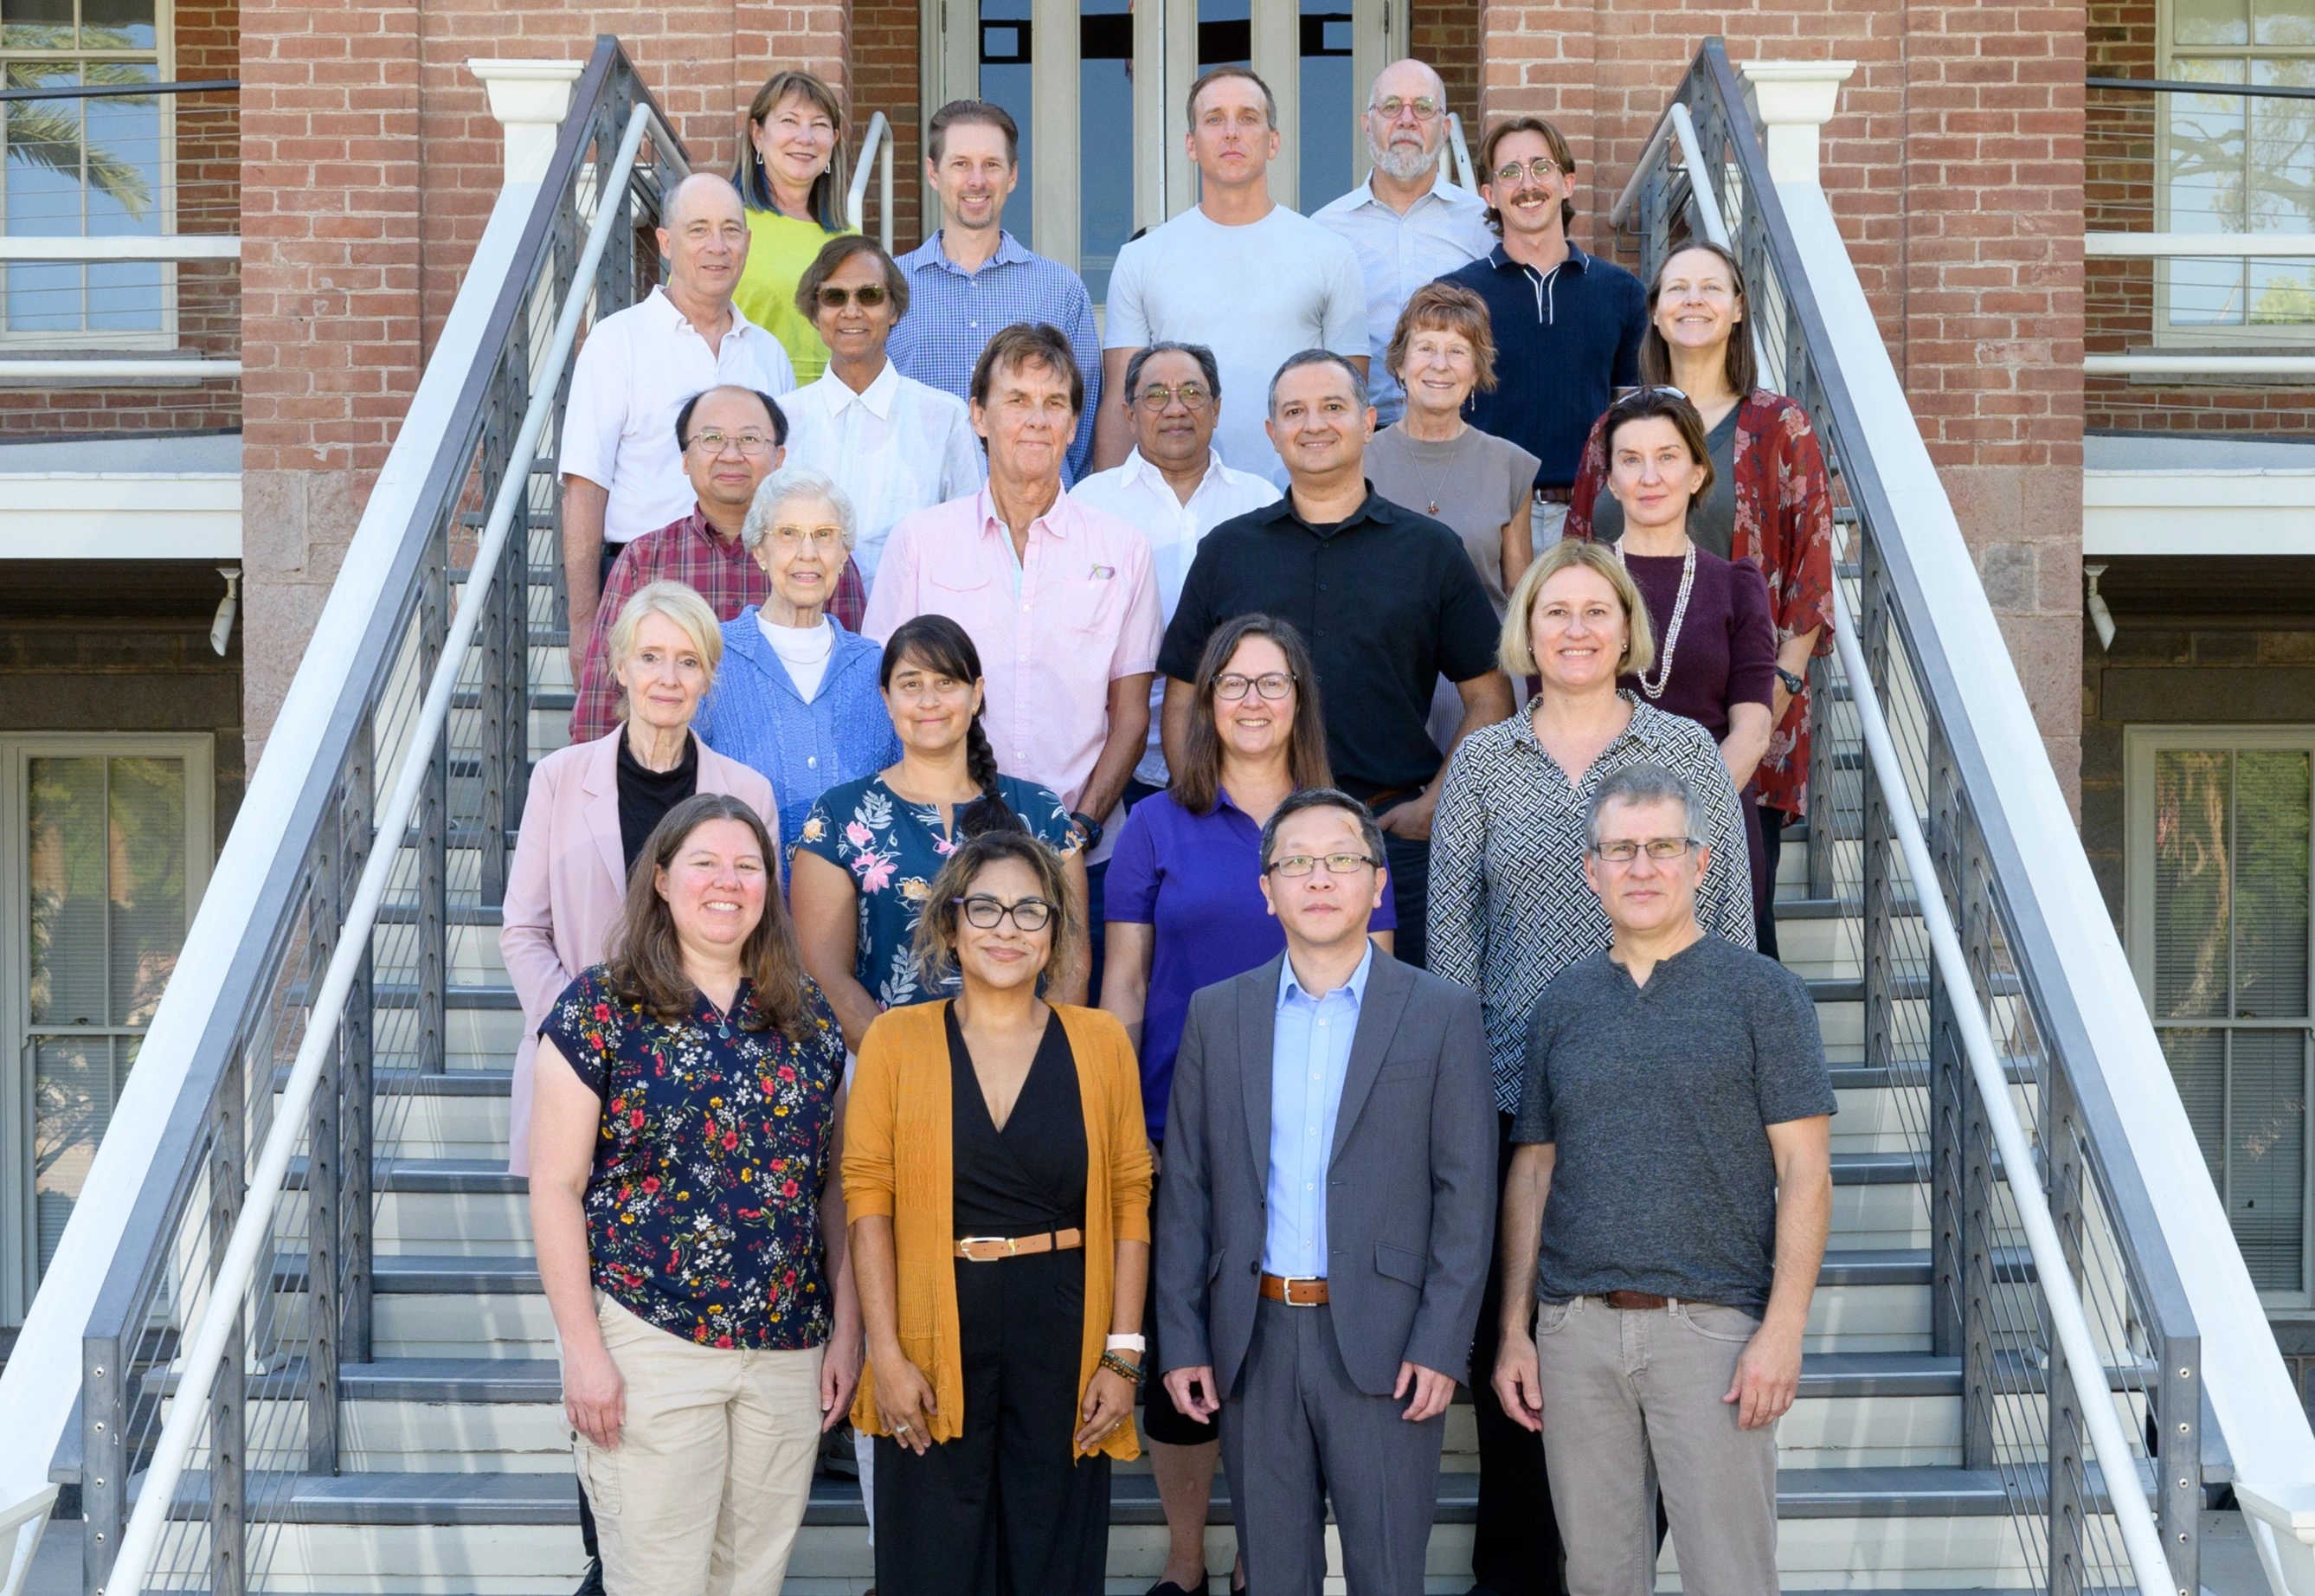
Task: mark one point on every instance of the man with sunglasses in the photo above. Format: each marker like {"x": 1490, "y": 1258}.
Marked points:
{"x": 729, "y": 441}
{"x": 1407, "y": 222}
{"x": 1568, "y": 325}
{"x": 1174, "y": 486}
{"x": 1324, "y": 1221}
{"x": 1663, "y": 1216}
{"x": 623, "y": 470}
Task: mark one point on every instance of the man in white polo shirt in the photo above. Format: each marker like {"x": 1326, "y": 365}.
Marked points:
{"x": 1248, "y": 278}
{"x": 622, "y": 467}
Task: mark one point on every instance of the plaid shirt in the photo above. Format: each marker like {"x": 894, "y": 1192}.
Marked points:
{"x": 723, "y": 573}
{"x": 952, "y": 313}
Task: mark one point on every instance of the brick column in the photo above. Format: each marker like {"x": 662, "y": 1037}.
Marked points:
{"x": 330, "y": 330}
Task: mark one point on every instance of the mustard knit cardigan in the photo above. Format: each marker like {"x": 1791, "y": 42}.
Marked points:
{"x": 898, "y": 1144}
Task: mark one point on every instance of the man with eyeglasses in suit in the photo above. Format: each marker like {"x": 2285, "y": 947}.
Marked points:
{"x": 1407, "y": 222}
{"x": 1568, "y": 325}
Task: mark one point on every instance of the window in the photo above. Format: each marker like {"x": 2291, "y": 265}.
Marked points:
{"x": 105, "y": 852}
{"x": 2219, "y": 891}
{"x": 84, "y": 168}
{"x": 2235, "y": 165}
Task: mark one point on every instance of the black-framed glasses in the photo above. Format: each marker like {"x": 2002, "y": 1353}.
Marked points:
{"x": 1426, "y": 109}
{"x": 1664, "y": 850}
{"x": 1272, "y": 684}
{"x": 1156, "y": 396}
{"x": 984, "y": 913}
{"x": 1543, "y": 169}
{"x": 751, "y": 443}
{"x": 866, "y": 296}
{"x": 1301, "y": 864}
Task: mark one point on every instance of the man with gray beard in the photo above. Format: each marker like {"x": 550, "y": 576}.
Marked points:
{"x": 1407, "y": 222}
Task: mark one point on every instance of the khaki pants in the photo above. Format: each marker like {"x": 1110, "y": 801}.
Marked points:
{"x": 702, "y": 1494}
{"x": 1632, "y": 1398}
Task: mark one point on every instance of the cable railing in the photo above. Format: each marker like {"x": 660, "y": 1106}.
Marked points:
{"x": 120, "y": 249}
{"x": 376, "y": 834}
{"x": 1997, "y": 1008}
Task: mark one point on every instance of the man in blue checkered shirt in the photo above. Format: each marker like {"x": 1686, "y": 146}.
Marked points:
{"x": 971, "y": 279}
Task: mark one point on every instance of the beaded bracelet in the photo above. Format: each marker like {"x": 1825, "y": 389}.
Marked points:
{"x": 1119, "y": 1366}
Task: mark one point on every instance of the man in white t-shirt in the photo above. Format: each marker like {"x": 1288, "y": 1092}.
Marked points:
{"x": 1249, "y": 279}
{"x": 622, "y": 467}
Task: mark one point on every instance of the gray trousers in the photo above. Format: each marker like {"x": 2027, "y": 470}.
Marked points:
{"x": 1297, "y": 1432}
{"x": 1632, "y": 1400}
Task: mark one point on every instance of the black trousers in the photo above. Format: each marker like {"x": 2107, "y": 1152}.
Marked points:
{"x": 1773, "y": 822}
{"x": 1515, "y": 1544}
{"x": 1002, "y": 1510}
{"x": 1410, "y": 889}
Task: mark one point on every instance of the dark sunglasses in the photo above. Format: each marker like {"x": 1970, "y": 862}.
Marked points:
{"x": 832, "y": 298}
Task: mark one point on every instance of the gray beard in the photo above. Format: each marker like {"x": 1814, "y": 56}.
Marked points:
{"x": 1404, "y": 164}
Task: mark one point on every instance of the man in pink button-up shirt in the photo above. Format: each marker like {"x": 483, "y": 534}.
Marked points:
{"x": 1061, "y": 600}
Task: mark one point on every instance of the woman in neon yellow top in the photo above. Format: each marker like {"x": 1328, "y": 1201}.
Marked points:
{"x": 792, "y": 178}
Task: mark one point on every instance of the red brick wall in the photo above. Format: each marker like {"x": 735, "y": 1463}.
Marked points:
{"x": 885, "y": 72}
{"x": 1445, "y": 34}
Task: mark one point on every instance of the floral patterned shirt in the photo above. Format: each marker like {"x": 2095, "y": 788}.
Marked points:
{"x": 893, "y": 848}
{"x": 703, "y": 1211}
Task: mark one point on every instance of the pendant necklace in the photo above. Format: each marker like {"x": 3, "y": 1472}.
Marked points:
{"x": 1655, "y": 689}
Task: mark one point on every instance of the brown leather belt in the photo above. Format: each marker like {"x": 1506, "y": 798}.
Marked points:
{"x": 1636, "y": 1301}
{"x": 988, "y": 1249}
{"x": 1565, "y": 495}
{"x": 1294, "y": 1290}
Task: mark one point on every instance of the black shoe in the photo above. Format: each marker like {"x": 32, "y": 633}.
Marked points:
{"x": 592, "y": 1584}
{"x": 1168, "y": 1588}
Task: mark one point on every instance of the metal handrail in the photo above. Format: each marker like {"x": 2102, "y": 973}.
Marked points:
{"x": 877, "y": 141}
{"x": 1465, "y": 175}
{"x": 253, "y": 1228}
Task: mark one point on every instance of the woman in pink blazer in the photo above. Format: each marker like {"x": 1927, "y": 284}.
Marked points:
{"x": 592, "y": 804}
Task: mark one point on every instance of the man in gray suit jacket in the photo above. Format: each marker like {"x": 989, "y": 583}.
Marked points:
{"x": 1327, "y": 1215}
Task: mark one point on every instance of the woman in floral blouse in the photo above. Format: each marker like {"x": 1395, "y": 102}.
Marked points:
{"x": 869, "y": 849}
{"x": 1773, "y": 504}
{"x": 690, "y": 1229}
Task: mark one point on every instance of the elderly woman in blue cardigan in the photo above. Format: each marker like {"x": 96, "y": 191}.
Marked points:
{"x": 796, "y": 697}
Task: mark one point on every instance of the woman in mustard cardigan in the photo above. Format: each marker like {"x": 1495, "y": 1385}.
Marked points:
{"x": 997, "y": 1177}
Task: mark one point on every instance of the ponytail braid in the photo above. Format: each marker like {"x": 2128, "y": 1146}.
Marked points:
{"x": 989, "y": 811}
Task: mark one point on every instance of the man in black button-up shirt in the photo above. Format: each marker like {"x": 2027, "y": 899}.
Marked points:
{"x": 1386, "y": 598}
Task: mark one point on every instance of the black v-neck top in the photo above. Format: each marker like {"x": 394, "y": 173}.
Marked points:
{"x": 1030, "y": 1175}
{"x": 646, "y": 795}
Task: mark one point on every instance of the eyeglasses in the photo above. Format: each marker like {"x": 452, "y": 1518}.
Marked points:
{"x": 1425, "y": 108}
{"x": 751, "y": 443}
{"x": 1156, "y": 396}
{"x": 1634, "y": 395}
{"x": 1623, "y": 850}
{"x": 1543, "y": 169}
{"x": 822, "y": 539}
{"x": 1272, "y": 684}
{"x": 1301, "y": 864}
{"x": 866, "y": 296}
{"x": 984, "y": 913}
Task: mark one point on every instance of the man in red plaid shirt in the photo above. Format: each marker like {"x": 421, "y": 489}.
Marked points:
{"x": 732, "y": 439}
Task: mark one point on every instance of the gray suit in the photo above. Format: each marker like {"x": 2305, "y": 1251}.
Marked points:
{"x": 1307, "y": 1407}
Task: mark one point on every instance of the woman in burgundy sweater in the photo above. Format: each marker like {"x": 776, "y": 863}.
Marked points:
{"x": 1716, "y": 654}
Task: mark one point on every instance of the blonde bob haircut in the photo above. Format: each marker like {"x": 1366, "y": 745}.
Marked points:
{"x": 679, "y": 603}
{"x": 1516, "y": 650}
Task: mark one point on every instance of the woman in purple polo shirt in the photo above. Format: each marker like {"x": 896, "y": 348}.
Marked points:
{"x": 1185, "y": 910}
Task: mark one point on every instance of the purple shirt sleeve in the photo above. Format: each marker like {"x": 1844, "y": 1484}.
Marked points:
{"x": 1751, "y": 637}
{"x": 1131, "y": 894}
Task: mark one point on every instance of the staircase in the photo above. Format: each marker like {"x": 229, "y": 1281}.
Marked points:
{"x": 316, "y": 1130}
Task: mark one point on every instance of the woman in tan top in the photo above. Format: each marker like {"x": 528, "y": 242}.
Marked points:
{"x": 998, "y": 1175}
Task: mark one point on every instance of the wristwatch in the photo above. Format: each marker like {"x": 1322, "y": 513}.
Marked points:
{"x": 1793, "y": 684}
{"x": 1087, "y": 828}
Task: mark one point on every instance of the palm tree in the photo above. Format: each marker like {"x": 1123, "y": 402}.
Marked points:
{"x": 52, "y": 134}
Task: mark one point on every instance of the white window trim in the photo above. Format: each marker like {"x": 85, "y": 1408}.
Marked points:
{"x": 2140, "y": 744}
{"x": 19, "y": 1248}
{"x": 163, "y": 56}
{"x": 2196, "y": 335}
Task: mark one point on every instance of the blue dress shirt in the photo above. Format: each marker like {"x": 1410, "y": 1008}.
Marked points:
{"x": 753, "y": 714}
{"x": 1310, "y": 1059}
{"x": 952, "y": 313}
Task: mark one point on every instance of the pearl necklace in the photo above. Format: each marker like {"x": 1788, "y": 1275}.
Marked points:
{"x": 1655, "y": 689}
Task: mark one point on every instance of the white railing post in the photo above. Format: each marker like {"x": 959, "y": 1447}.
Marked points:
{"x": 529, "y": 99}
{"x": 1791, "y": 100}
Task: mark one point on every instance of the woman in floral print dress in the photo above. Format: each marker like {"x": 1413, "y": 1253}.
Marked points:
{"x": 690, "y": 1231}
{"x": 870, "y": 848}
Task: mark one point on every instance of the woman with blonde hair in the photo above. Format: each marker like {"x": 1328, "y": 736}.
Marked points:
{"x": 998, "y": 1182}
{"x": 791, "y": 178}
{"x": 1510, "y": 908}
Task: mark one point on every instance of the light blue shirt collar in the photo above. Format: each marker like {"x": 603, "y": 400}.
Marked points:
{"x": 1288, "y": 988}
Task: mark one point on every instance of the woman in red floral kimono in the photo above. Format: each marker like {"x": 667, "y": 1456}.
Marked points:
{"x": 1771, "y": 502}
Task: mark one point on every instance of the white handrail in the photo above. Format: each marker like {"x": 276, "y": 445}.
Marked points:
{"x": 252, "y": 1229}
{"x": 164, "y": 246}
{"x": 20, "y": 1534}
{"x": 877, "y": 142}
{"x": 1465, "y": 175}
{"x": 2085, "y": 1364}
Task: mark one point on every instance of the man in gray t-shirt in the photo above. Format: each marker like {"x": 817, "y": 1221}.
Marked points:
{"x": 1667, "y": 1205}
